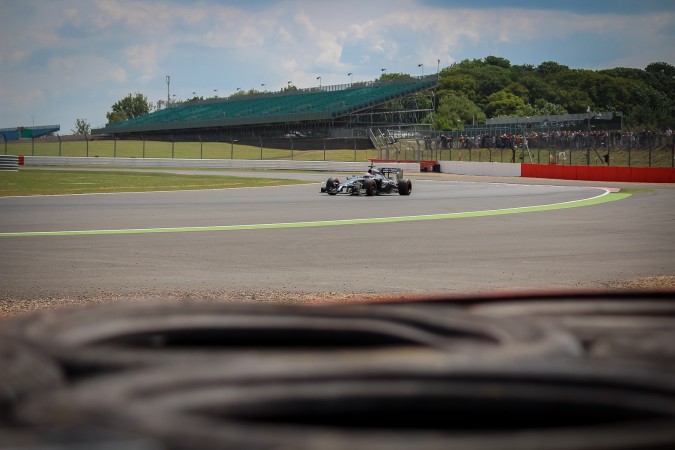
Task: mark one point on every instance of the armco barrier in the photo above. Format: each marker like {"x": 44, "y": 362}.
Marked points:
{"x": 600, "y": 173}
{"x": 480, "y": 168}
{"x": 243, "y": 164}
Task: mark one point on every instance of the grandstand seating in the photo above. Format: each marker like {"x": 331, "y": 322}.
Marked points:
{"x": 13, "y": 134}
{"x": 325, "y": 103}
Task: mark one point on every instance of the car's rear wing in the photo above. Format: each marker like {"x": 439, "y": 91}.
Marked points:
{"x": 390, "y": 170}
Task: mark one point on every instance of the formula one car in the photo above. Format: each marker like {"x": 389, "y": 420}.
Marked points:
{"x": 375, "y": 182}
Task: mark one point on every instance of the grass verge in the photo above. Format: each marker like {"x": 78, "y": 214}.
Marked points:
{"x": 48, "y": 182}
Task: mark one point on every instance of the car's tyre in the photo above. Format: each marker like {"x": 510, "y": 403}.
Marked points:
{"x": 405, "y": 187}
{"x": 371, "y": 187}
{"x": 331, "y": 185}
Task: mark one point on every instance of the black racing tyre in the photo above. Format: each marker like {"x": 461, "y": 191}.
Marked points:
{"x": 405, "y": 187}
{"x": 120, "y": 336}
{"x": 328, "y": 404}
{"x": 617, "y": 326}
{"x": 332, "y": 183}
{"x": 371, "y": 187}
{"x": 24, "y": 371}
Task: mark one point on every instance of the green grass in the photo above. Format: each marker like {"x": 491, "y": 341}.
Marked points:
{"x": 187, "y": 150}
{"x": 404, "y": 149}
{"x": 58, "y": 182}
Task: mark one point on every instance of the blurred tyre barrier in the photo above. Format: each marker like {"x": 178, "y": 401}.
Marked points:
{"x": 24, "y": 371}
{"x": 627, "y": 326}
{"x": 525, "y": 405}
{"x": 73, "y": 438}
{"x": 132, "y": 335}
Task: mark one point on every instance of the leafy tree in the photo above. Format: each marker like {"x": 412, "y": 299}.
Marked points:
{"x": 82, "y": 127}
{"x": 542, "y": 107}
{"x": 650, "y": 109}
{"x": 661, "y": 69}
{"x": 497, "y": 61}
{"x": 551, "y": 68}
{"x": 395, "y": 76}
{"x": 129, "y": 107}
{"x": 459, "y": 83}
{"x": 504, "y": 103}
{"x": 518, "y": 90}
{"x": 453, "y": 112}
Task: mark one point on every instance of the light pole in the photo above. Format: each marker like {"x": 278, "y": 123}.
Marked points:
{"x": 216, "y": 91}
{"x": 264, "y": 87}
{"x": 319, "y": 78}
{"x": 168, "y": 93}
{"x": 422, "y": 66}
{"x": 351, "y": 78}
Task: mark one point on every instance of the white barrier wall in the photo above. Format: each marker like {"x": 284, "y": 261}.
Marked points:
{"x": 242, "y": 164}
{"x": 481, "y": 168}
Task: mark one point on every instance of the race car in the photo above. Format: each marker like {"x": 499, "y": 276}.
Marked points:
{"x": 374, "y": 182}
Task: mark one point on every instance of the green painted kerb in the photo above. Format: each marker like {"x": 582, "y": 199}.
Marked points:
{"x": 604, "y": 198}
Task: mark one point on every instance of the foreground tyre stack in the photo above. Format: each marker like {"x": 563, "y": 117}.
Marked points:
{"x": 549, "y": 372}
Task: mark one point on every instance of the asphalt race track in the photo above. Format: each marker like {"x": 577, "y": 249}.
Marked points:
{"x": 453, "y": 234}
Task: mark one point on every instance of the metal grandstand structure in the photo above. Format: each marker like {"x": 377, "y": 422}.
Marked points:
{"x": 606, "y": 120}
{"x": 338, "y": 111}
{"x": 16, "y": 133}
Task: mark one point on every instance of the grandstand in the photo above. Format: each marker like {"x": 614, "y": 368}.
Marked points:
{"x": 606, "y": 120}
{"x": 13, "y": 134}
{"x": 313, "y": 113}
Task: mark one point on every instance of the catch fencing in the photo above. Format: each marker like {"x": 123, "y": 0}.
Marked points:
{"x": 567, "y": 148}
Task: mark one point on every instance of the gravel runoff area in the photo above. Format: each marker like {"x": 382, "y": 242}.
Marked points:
{"x": 14, "y": 306}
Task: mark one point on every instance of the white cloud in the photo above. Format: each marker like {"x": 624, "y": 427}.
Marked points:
{"x": 143, "y": 59}
{"x": 94, "y": 52}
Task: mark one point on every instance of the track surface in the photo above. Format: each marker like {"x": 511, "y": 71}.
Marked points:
{"x": 583, "y": 247}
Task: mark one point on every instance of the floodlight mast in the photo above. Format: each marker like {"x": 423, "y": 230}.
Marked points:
{"x": 168, "y": 93}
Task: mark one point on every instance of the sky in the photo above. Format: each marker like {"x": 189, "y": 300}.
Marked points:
{"x": 63, "y": 60}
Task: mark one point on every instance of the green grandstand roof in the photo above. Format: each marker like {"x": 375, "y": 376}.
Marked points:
{"x": 315, "y": 104}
